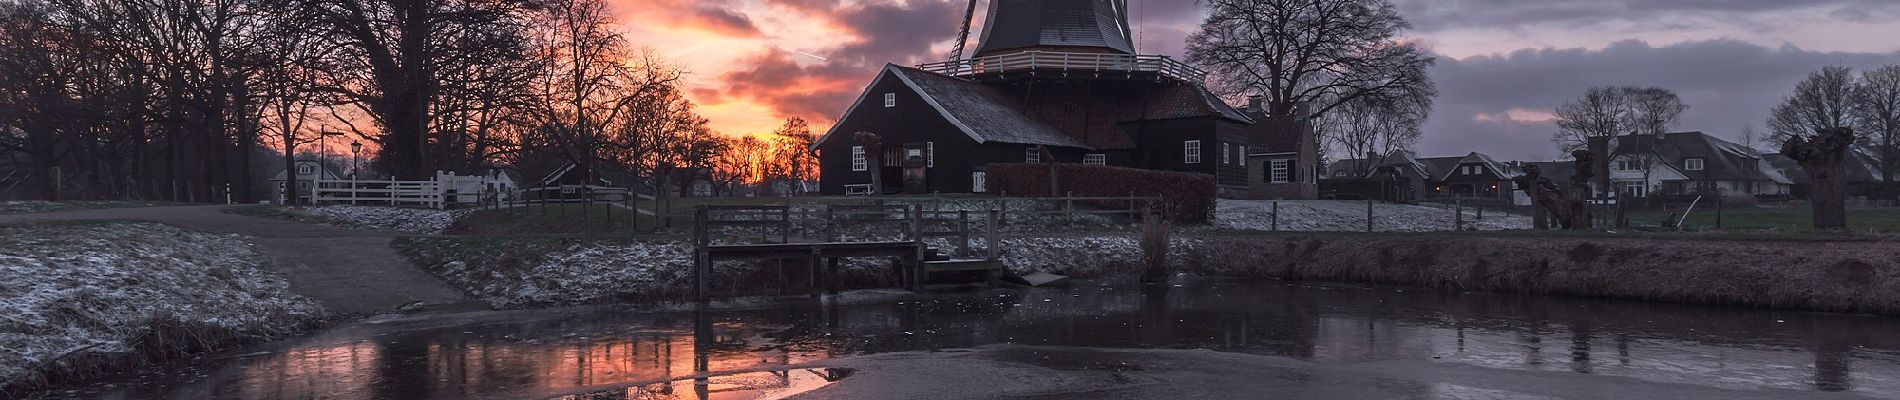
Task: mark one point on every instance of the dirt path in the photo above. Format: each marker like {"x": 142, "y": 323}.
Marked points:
{"x": 350, "y": 271}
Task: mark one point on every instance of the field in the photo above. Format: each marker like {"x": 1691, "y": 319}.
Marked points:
{"x": 1790, "y": 219}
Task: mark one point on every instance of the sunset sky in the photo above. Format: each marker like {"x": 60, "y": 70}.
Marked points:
{"x": 1503, "y": 63}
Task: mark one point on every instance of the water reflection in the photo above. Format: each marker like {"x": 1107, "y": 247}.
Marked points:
{"x": 752, "y": 353}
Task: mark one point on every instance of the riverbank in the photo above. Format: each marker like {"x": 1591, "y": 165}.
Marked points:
{"x": 1848, "y": 274}
{"x": 83, "y": 299}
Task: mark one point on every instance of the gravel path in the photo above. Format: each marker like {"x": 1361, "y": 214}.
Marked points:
{"x": 349, "y": 271}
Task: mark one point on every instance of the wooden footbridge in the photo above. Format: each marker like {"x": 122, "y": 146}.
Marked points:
{"x": 794, "y": 239}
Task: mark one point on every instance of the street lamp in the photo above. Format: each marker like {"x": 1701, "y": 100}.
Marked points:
{"x": 356, "y": 153}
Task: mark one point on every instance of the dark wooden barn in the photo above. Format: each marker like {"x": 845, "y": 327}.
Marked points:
{"x": 1051, "y": 81}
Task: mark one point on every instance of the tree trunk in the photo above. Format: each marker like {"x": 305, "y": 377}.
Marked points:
{"x": 1822, "y": 156}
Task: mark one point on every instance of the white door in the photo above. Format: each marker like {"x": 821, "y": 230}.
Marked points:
{"x": 978, "y": 182}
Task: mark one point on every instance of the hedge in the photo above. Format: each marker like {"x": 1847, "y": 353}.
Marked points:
{"x": 1189, "y": 197}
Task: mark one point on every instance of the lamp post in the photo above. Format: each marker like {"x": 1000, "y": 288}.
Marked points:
{"x": 356, "y": 153}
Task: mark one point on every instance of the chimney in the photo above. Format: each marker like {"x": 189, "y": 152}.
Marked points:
{"x": 1253, "y": 104}
{"x": 1372, "y": 155}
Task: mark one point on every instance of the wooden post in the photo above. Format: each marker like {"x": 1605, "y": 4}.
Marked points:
{"x": 1719, "y": 200}
{"x": 833, "y": 283}
{"x": 1458, "y": 215}
{"x": 991, "y": 246}
{"x": 963, "y": 233}
{"x": 702, "y": 260}
{"x": 813, "y": 278}
{"x": 1004, "y": 204}
{"x": 785, "y": 224}
{"x": 1368, "y": 215}
{"x": 1275, "y": 217}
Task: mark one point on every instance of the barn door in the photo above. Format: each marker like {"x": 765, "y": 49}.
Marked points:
{"x": 915, "y": 164}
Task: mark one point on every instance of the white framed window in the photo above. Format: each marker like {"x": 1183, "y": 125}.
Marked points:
{"x": 1280, "y": 171}
{"x": 858, "y": 163}
{"x": 1095, "y": 159}
{"x": 1191, "y": 152}
{"x": 930, "y": 154}
{"x": 1470, "y": 169}
{"x": 1692, "y": 164}
{"x": 305, "y": 169}
{"x": 1030, "y": 155}
{"x": 1243, "y": 155}
{"x": 1226, "y": 153}
{"x": 890, "y": 100}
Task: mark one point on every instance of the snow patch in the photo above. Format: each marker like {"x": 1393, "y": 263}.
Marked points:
{"x": 412, "y": 220}
{"x": 95, "y": 286}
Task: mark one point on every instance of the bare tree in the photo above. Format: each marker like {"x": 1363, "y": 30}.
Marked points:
{"x": 1822, "y": 101}
{"x": 1319, "y": 54}
{"x": 795, "y": 140}
{"x": 1371, "y": 126}
{"x": 1605, "y": 112}
{"x": 1654, "y": 110}
{"x": 1602, "y": 112}
{"x": 1877, "y": 107}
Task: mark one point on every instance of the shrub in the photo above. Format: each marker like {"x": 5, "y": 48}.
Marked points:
{"x": 1189, "y": 197}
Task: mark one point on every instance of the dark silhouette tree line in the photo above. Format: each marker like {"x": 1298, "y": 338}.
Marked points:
{"x": 182, "y": 99}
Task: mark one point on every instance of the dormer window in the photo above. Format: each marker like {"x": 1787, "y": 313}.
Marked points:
{"x": 1692, "y": 164}
{"x": 306, "y": 169}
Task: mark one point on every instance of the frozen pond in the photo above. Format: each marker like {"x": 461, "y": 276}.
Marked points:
{"x": 778, "y": 347}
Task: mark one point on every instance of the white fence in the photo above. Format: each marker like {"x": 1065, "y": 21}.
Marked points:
{"x": 446, "y": 190}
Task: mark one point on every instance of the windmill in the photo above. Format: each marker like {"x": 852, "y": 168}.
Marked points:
{"x": 956, "y": 52}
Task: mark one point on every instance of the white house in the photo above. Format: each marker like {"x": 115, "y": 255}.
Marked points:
{"x": 1689, "y": 163}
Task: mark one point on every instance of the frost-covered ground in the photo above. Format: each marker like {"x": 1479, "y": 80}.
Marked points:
{"x": 412, "y": 220}
{"x": 1350, "y": 216}
{"x": 97, "y": 286}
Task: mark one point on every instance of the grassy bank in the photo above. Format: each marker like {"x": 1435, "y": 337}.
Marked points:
{"x": 81, "y": 299}
{"x": 1860, "y": 276}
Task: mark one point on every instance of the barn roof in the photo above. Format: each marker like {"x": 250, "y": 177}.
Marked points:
{"x": 1019, "y": 24}
{"x": 981, "y": 112}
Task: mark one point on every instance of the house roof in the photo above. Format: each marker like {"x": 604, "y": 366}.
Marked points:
{"x": 1722, "y": 160}
{"x": 1560, "y": 172}
{"x": 1018, "y": 24}
{"x": 1437, "y": 168}
{"x": 1277, "y": 134}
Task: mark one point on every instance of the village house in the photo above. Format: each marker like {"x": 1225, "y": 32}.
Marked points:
{"x": 1055, "y": 81}
{"x": 308, "y": 171}
{"x": 1471, "y": 176}
{"x": 1687, "y": 163}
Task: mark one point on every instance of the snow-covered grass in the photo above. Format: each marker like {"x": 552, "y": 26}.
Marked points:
{"x": 117, "y": 290}
{"x": 538, "y": 271}
{"x": 37, "y": 206}
{"x": 412, "y": 220}
{"x": 1350, "y": 216}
